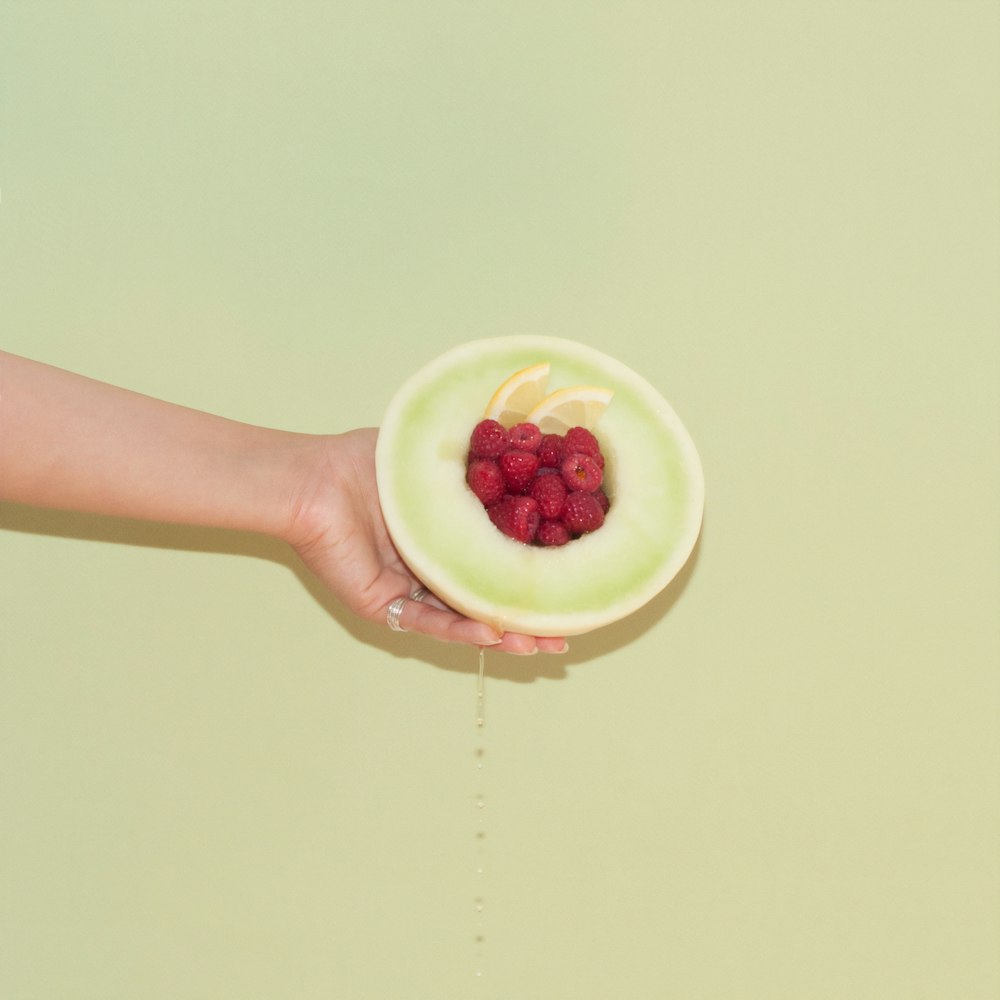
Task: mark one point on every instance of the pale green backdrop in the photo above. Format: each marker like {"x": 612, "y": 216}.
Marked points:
{"x": 778, "y": 782}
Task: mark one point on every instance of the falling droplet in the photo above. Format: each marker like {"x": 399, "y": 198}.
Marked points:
{"x": 480, "y": 716}
{"x": 479, "y": 832}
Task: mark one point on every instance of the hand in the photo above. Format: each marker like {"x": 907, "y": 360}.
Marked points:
{"x": 339, "y": 533}
{"x": 67, "y": 441}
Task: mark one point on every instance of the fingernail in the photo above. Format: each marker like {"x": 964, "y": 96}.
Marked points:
{"x": 490, "y": 642}
{"x": 565, "y": 648}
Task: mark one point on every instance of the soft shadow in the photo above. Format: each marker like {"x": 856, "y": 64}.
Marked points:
{"x": 147, "y": 534}
{"x": 527, "y": 669}
{"x": 503, "y": 666}
{"x": 458, "y": 658}
{"x": 180, "y": 537}
{"x": 626, "y": 631}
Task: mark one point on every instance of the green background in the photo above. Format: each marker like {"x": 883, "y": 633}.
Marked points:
{"x": 781, "y": 779}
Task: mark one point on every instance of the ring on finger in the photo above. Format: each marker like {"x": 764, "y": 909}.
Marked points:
{"x": 394, "y": 612}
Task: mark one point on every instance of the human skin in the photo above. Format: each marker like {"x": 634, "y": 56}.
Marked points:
{"x": 73, "y": 443}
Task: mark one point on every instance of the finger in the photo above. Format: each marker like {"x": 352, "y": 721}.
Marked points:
{"x": 430, "y": 616}
{"x": 430, "y": 599}
{"x": 528, "y": 645}
{"x": 428, "y": 619}
{"x": 516, "y": 643}
{"x": 454, "y": 624}
{"x": 553, "y": 644}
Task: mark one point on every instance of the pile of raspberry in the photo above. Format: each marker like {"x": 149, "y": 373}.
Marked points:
{"x": 539, "y": 489}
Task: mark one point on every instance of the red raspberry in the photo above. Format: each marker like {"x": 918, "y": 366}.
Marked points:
{"x": 518, "y": 469}
{"x": 550, "y": 451}
{"x": 581, "y": 472}
{"x": 496, "y": 512}
{"x": 485, "y": 480}
{"x": 552, "y": 533}
{"x": 582, "y": 513}
{"x": 582, "y": 440}
{"x": 517, "y": 517}
{"x": 489, "y": 439}
{"x": 525, "y": 437}
{"x": 550, "y": 492}
{"x": 602, "y": 498}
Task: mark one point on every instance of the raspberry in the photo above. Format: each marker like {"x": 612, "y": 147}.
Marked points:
{"x": 485, "y": 480}
{"x": 518, "y": 469}
{"x": 525, "y": 437}
{"x": 582, "y": 513}
{"x": 550, "y": 451}
{"x": 581, "y": 472}
{"x": 496, "y": 512}
{"x": 552, "y": 533}
{"x": 602, "y": 498}
{"x": 550, "y": 492}
{"x": 489, "y": 439}
{"x": 580, "y": 439}
{"x": 516, "y": 517}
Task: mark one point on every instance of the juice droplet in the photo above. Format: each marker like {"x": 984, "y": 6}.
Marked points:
{"x": 478, "y": 901}
{"x": 480, "y": 716}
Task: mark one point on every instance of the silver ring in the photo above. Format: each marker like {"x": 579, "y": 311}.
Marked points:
{"x": 419, "y": 594}
{"x": 394, "y": 612}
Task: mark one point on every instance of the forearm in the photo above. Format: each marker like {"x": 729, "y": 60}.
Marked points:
{"x": 70, "y": 442}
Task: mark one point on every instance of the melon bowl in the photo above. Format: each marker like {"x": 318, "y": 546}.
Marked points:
{"x": 653, "y": 478}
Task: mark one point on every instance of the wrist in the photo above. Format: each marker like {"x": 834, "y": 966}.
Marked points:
{"x": 311, "y": 473}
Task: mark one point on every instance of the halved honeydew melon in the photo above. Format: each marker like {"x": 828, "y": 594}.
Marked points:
{"x": 653, "y": 477}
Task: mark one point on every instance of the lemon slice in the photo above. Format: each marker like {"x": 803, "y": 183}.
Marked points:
{"x": 575, "y": 406}
{"x": 518, "y": 395}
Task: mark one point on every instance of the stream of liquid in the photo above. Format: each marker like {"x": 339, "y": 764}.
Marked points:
{"x": 480, "y": 718}
{"x": 478, "y": 899}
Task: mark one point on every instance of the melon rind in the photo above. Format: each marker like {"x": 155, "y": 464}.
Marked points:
{"x": 653, "y": 474}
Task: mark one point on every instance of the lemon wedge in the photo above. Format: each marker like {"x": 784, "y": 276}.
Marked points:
{"x": 575, "y": 406}
{"x": 518, "y": 395}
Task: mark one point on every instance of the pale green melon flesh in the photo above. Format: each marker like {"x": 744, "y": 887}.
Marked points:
{"x": 441, "y": 530}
